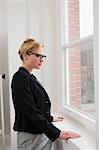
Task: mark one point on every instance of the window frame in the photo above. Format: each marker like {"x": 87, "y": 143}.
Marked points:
{"x": 87, "y": 121}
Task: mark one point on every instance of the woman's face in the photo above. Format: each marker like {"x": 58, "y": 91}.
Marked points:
{"x": 36, "y": 58}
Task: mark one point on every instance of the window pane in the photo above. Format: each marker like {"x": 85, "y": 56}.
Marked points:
{"x": 79, "y": 19}
{"x": 86, "y": 17}
{"x": 79, "y": 55}
{"x": 80, "y": 70}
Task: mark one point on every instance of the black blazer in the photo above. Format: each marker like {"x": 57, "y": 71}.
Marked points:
{"x": 32, "y": 106}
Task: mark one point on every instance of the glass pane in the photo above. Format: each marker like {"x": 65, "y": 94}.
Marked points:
{"x": 80, "y": 70}
{"x": 79, "y": 19}
{"x": 79, "y": 56}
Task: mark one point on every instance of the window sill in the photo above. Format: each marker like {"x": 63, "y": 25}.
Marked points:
{"x": 86, "y": 121}
{"x": 87, "y": 140}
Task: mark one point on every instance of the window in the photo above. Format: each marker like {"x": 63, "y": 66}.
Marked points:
{"x": 78, "y": 51}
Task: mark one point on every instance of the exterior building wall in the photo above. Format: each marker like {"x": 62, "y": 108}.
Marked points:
{"x": 74, "y": 53}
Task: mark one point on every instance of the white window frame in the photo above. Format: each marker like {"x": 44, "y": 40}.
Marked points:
{"x": 71, "y": 111}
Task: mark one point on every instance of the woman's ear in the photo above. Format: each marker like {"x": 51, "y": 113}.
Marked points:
{"x": 25, "y": 56}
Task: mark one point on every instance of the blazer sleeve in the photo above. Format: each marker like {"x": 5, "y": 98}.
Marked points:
{"x": 25, "y": 102}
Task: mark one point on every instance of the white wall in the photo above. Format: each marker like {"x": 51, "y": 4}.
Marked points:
{"x": 16, "y": 34}
{"x": 96, "y": 62}
{"x": 35, "y": 19}
{"x": 4, "y": 60}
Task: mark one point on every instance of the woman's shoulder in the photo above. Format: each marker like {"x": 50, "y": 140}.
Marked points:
{"x": 21, "y": 75}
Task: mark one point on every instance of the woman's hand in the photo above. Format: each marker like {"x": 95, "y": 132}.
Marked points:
{"x": 57, "y": 118}
{"x": 65, "y": 135}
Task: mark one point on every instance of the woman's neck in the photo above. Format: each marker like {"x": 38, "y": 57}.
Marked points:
{"x": 28, "y": 68}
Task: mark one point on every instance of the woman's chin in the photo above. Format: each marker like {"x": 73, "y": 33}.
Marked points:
{"x": 39, "y": 67}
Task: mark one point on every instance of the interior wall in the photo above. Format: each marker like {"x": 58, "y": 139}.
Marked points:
{"x": 35, "y": 19}
{"x": 49, "y": 32}
{"x": 17, "y": 32}
{"x": 96, "y": 68}
{"x": 20, "y": 20}
{"x": 4, "y": 62}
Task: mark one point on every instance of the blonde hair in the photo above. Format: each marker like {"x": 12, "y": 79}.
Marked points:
{"x": 28, "y": 46}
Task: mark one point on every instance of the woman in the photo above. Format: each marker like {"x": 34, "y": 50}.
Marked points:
{"x": 32, "y": 104}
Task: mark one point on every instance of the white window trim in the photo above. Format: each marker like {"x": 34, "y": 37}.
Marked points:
{"x": 89, "y": 124}
{"x": 75, "y": 114}
{"x": 70, "y": 44}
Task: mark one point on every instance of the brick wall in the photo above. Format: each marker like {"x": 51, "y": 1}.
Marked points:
{"x": 74, "y": 53}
